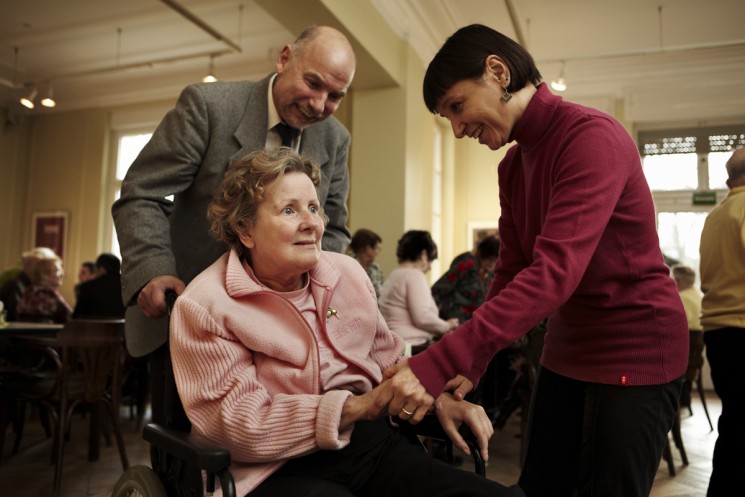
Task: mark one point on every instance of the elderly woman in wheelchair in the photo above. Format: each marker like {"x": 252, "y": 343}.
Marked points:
{"x": 278, "y": 350}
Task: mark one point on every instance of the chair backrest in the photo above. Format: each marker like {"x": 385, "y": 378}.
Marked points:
{"x": 94, "y": 349}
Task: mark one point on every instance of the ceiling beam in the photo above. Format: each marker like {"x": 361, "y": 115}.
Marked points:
{"x": 510, "y": 4}
{"x": 203, "y": 25}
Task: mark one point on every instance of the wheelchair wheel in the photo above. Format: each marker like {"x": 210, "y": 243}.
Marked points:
{"x": 139, "y": 481}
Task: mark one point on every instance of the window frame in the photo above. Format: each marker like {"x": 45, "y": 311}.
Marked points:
{"x": 114, "y": 183}
{"x": 681, "y": 201}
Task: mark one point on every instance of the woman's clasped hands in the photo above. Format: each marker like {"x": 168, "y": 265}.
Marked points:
{"x": 402, "y": 394}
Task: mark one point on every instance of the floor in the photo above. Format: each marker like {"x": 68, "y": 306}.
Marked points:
{"x": 30, "y": 474}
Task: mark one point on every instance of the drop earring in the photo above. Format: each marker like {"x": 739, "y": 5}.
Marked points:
{"x": 507, "y": 95}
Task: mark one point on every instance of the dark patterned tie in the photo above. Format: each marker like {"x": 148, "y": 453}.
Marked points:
{"x": 287, "y": 133}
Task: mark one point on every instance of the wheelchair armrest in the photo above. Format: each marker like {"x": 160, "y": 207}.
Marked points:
{"x": 193, "y": 449}
{"x": 430, "y": 427}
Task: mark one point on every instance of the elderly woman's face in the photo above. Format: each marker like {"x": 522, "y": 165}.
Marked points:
{"x": 285, "y": 240}
{"x": 53, "y": 275}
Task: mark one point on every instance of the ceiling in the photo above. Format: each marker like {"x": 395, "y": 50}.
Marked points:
{"x": 685, "y": 58}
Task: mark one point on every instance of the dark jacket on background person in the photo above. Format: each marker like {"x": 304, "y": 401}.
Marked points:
{"x": 100, "y": 297}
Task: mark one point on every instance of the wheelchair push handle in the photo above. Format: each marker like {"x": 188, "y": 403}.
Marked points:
{"x": 170, "y": 299}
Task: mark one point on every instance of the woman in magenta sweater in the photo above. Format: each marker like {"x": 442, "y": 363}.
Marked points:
{"x": 579, "y": 247}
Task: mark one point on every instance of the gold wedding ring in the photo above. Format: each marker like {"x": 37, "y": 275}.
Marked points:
{"x": 403, "y": 409}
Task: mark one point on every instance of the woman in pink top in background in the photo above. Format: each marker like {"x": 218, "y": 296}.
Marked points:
{"x": 406, "y": 300}
{"x": 579, "y": 246}
{"x": 278, "y": 350}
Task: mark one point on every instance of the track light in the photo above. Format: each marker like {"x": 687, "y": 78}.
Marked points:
{"x": 48, "y": 100}
{"x": 560, "y": 84}
{"x": 210, "y": 78}
{"x": 28, "y": 100}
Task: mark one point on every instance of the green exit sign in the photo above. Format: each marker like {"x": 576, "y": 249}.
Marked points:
{"x": 704, "y": 198}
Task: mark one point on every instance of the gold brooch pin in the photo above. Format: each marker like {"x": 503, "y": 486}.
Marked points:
{"x": 332, "y": 312}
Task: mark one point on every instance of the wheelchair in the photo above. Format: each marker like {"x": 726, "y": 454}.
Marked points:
{"x": 185, "y": 464}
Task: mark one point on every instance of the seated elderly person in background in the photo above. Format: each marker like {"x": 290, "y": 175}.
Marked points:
{"x": 364, "y": 247}
{"x": 19, "y": 279}
{"x": 464, "y": 285}
{"x": 42, "y": 302}
{"x": 406, "y": 299}
{"x": 278, "y": 350}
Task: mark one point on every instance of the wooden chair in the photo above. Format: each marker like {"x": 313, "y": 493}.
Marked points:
{"x": 30, "y": 374}
{"x": 667, "y": 453}
{"x": 693, "y": 377}
{"x": 92, "y": 353}
{"x": 693, "y": 374}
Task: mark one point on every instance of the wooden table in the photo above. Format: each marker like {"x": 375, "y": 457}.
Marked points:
{"x": 23, "y": 328}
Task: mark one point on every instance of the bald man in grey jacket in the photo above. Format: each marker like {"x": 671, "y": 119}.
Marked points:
{"x": 166, "y": 243}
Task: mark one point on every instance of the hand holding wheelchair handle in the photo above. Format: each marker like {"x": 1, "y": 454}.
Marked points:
{"x": 431, "y": 427}
{"x": 152, "y": 297}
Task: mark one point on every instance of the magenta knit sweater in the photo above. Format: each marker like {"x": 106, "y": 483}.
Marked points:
{"x": 579, "y": 246}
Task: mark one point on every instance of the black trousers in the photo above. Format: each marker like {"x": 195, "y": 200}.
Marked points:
{"x": 724, "y": 349}
{"x": 594, "y": 440}
{"x": 377, "y": 462}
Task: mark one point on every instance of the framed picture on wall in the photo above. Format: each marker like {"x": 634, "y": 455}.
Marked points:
{"x": 50, "y": 230}
{"x": 478, "y": 230}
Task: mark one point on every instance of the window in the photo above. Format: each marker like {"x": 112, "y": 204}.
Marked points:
{"x": 128, "y": 146}
{"x": 678, "y": 163}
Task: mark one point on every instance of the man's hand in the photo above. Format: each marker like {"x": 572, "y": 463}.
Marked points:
{"x": 152, "y": 297}
{"x": 452, "y": 413}
{"x": 409, "y": 400}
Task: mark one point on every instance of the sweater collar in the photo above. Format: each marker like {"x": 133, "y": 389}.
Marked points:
{"x": 238, "y": 283}
{"x": 536, "y": 119}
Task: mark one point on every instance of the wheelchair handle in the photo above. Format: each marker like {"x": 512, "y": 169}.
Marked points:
{"x": 170, "y": 299}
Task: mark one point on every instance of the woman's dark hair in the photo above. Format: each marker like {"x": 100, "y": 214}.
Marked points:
{"x": 362, "y": 239}
{"x": 488, "y": 247}
{"x": 463, "y": 56}
{"x": 411, "y": 244}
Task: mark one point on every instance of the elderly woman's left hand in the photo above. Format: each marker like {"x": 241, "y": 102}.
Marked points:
{"x": 453, "y": 413}
{"x": 409, "y": 399}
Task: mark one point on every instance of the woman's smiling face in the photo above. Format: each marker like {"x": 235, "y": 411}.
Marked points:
{"x": 475, "y": 109}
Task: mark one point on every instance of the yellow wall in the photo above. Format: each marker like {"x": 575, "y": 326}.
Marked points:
{"x": 14, "y": 216}
{"x": 65, "y": 172}
{"x": 377, "y": 188}
{"x": 477, "y": 185}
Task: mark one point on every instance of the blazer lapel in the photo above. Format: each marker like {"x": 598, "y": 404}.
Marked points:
{"x": 313, "y": 144}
